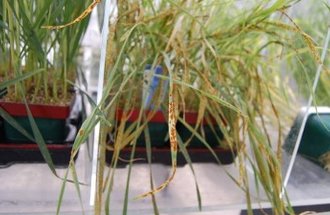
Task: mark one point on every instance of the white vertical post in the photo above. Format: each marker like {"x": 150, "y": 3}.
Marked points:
{"x": 306, "y": 113}
{"x": 104, "y": 38}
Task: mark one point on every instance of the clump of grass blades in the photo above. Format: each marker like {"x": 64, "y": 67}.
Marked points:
{"x": 36, "y": 64}
{"x": 220, "y": 58}
{"x": 27, "y": 48}
{"x": 216, "y": 61}
{"x": 315, "y": 26}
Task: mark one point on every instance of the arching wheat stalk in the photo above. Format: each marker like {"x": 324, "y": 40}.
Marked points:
{"x": 83, "y": 15}
{"x": 173, "y": 141}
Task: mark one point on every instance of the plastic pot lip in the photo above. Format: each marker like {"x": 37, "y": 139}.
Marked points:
{"x": 38, "y": 110}
{"x": 314, "y": 110}
{"x": 190, "y": 117}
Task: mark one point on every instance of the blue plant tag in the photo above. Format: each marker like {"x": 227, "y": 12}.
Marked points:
{"x": 150, "y": 84}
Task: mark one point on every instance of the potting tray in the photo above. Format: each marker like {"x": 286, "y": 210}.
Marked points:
{"x": 28, "y": 152}
{"x": 163, "y": 156}
{"x": 50, "y": 119}
{"x": 161, "y": 153}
